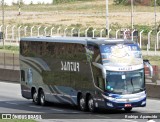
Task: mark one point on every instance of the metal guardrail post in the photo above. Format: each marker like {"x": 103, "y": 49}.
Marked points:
{"x": 93, "y": 32}
{"x": 149, "y": 35}
{"x": 25, "y": 30}
{"x": 109, "y": 33}
{"x": 140, "y": 38}
{"x": 72, "y": 32}
{"x": 13, "y": 32}
{"x": 6, "y": 35}
{"x": 52, "y": 31}
{"x": 45, "y": 31}
{"x": 101, "y": 32}
{"x": 38, "y": 30}
{"x": 86, "y": 31}
{"x": 58, "y": 30}
{"x": 132, "y": 34}
{"x": 117, "y": 33}
{"x": 32, "y": 30}
{"x": 79, "y": 32}
{"x": 19, "y": 32}
{"x": 65, "y": 31}
{"x": 158, "y": 39}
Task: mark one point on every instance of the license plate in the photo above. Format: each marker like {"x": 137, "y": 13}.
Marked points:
{"x": 128, "y": 105}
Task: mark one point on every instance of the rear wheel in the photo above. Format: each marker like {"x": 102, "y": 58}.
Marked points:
{"x": 91, "y": 104}
{"x": 128, "y": 109}
{"x": 82, "y": 103}
{"x": 42, "y": 98}
{"x": 35, "y": 97}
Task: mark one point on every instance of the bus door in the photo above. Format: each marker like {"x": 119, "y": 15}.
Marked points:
{"x": 26, "y": 80}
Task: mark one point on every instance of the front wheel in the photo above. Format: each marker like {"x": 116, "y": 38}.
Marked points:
{"x": 91, "y": 104}
{"x": 128, "y": 109}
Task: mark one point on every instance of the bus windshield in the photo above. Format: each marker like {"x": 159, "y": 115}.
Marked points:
{"x": 125, "y": 82}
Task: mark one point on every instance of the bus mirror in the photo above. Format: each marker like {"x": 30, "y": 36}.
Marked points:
{"x": 147, "y": 64}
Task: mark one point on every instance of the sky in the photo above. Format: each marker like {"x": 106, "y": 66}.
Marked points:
{"x": 9, "y": 2}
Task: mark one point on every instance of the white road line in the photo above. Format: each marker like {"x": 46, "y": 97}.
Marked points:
{"x": 54, "y": 109}
{"x": 128, "y": 120}
{"x": 11, "y": 103}
{"x": 35, "y": 106}
{"x": 103, "y": 116}
{"x": 74, "y": 112}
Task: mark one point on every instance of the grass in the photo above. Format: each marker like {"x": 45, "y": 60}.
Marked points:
{"x": 57, "y": 14}
{"x": 9, "y": 49}
{"x": 81, "y": 6}
{"x": 154, "y": 60}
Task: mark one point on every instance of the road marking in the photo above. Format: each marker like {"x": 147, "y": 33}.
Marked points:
{"x": 103, "y": 116}
{"x": 74, "y": 112}
{"x": 54, "y": 109}
{"x": 127, "y": 120}
{"x": 35, "y": 106}
{"x": 11, "y": 103}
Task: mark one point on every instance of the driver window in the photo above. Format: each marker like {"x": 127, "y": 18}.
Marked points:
{"x": 100, "y": 83}
{"x": 96, "y": 56}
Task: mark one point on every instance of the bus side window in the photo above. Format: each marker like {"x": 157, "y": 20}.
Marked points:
{"x": 100, "y": 83}
{"x": 22, "y": 75}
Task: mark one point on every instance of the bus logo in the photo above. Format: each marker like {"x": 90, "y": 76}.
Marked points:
{"x": 70, "y": 66}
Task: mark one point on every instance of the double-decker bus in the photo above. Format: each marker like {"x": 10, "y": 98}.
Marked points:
{"x": 91, "y": 73}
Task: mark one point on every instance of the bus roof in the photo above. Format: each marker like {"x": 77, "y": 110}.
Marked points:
{"x": 81, "y": 40}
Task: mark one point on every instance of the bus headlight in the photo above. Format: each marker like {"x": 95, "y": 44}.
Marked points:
{"x": 143, "y": 103}
{"x": 109, "y": 104}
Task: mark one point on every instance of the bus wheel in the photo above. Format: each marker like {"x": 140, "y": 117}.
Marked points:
{"x": 42, "y": 98}
{"x": 91, "y": 104}
{"x": 35, "y": 97}
{"x": 128, "y": 109}
{"x": 82, "y": 103}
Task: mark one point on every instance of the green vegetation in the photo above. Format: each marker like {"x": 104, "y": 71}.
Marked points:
{"x": 154, "y": 60}
{"x": 67, "y": 1}
{"x": 79, "y": 5}
{"x": 9, "y": 49}
{"x": 127, "y": 2}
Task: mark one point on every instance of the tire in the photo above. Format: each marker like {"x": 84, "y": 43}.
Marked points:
{"x": 128, "y": 109}
{"x": 35, "y": 97}
{"x": 42, "y": 98}
{"x": 91, "y": 104}
{"x": 82, "y": 103}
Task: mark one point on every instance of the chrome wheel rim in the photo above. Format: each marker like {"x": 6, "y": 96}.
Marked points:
{"x": 42, "y": 99}
{"x": 82, "y": 102}
{"x": 35, "y": 97}
{"x": 90, "y": 104}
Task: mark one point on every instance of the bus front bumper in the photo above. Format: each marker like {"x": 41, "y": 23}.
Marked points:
{"x": 124, "y": 101}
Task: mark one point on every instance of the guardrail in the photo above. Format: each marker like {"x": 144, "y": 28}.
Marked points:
{"x": 13, "y": 34}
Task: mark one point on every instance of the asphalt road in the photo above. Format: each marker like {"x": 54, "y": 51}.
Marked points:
{"x": 11, "y": 102}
